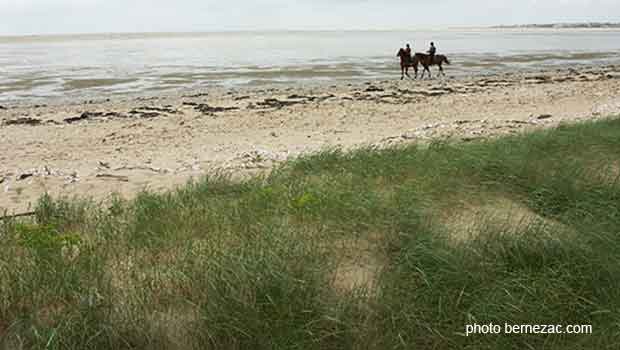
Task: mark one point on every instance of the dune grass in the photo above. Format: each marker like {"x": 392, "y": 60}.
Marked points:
{"x": 396, "y": 248}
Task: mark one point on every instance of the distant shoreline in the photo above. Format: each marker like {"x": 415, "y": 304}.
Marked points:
{"x": 587, "y": 25}
{"x": 9, "y": 37}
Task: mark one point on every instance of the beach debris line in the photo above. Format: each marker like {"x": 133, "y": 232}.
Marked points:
{"x": 373, "y": 88}
{"x": 433, "y": 92}
{"x": 23, "y": 121}
{"x": 25, "y": 176}
{"x": 205, "y": 108}
{"x": 121, "y": 178}
{"x": 165, "y": 109}
{"x": 148, "y": 112}
{"x": 310, "y": 98}
{"x": 144, "y": 115}
{"x": 202, "y": 94}
{"x": 90, "y": 115}
{"x": 291, "y": 100}
{"x": 143, "y": 112}
{"x": 544, "y": 116}
{"x": 275, "y": 103}
{"x": 147, "y": 168}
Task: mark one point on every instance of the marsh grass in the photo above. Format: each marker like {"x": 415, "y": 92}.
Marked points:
{"x": 336, "y": 250}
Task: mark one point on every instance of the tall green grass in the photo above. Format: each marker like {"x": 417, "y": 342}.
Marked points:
{"x": 218, "y": 264}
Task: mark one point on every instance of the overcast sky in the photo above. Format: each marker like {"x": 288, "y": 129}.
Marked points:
{"x": 87, "y": 16}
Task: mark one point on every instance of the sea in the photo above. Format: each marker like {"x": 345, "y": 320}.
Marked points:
{"x": 100, "y": 65}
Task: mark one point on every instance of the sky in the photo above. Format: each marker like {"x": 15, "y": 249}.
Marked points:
{"x": 25, "y": 17}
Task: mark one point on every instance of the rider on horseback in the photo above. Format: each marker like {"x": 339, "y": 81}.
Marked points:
{"x": 406, "y": 60}
{"x": 431, "y": 52}
{"x": 427, "y": 60}
{"x": 408, "y": 52}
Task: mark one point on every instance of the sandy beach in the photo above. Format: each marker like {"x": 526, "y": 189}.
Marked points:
{"x": 96, "y": 148}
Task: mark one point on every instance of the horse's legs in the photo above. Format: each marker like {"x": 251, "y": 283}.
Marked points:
{"x": 407, "y": 72}
{"x": 441, "y": 70}
{"x": 402, "y": 72}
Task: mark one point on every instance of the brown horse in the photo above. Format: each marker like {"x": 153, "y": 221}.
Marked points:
{"x": 425, "y": 60}
{"x": 405, "y": 63}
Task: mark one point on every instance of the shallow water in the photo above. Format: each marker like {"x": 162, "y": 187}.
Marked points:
{"x": 39, "y": 67}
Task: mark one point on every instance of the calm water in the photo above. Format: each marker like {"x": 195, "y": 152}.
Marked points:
{"x": 96, "y": 65}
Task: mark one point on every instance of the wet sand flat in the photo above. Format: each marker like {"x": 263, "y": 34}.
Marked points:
{"x": 122, "y": 145}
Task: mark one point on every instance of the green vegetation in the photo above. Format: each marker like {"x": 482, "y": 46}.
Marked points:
{"x": 396, "y": 248}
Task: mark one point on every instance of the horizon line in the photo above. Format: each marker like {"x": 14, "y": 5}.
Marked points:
{"x": 615, "y": 25}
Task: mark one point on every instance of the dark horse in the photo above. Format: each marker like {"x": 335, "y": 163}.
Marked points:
{"x": 425, "y": 60}
{"x": 405, "y": 63}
